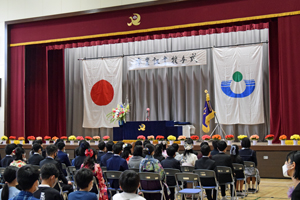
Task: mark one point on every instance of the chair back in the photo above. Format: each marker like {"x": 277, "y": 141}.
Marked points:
{"x": 63, "y": 166}
{"x": 170, "y": 176}
{"x": 149, "y": 176}
{"x": 207, "y": 177}
{"x": 71, "y": 171}
{"x": 187, "y": 168}
{"x": 95, "y": 182}
{"x": 187, "y": 177}
{"x": 224, "y": 175}
{"x": 2, "y": 169}
{"x": 104, "y": 169}
{"x": 137, "y": 170}
{"x": 249, "y": 164}
{"x": 36, "y": 167}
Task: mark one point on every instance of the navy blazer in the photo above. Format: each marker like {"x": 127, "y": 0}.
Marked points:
{"x": 35, "y": 159}
{"x": 205, "y": 163}
{"x": 78, "y": 161}
{"x": 6, "y": 161}
{"x": 223, "y": 159}
{"x": 214, "y": 152}
{"x": 171, "y": 162}
{"x": 248, "y": 155}
{"x": 116, "y": 163}
{"x": 104, "y": 158}
{"x": 100, "y": 154}
{"x": 63, "y": 157}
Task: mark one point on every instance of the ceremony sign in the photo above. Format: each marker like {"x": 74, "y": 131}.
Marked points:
{"x": 162, "y": 60}
{"x": 238, "y": 84}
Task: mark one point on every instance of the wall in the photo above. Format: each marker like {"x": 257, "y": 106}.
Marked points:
{"x": 21, "y": 9}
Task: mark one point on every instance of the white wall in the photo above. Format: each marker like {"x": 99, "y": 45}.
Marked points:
{"x": 21, "y": 9}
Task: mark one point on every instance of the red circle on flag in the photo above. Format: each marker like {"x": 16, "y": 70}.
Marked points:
{"x": 102, "y": 93}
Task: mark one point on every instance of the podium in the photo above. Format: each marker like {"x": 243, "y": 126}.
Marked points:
{"x": 130, "y": 130}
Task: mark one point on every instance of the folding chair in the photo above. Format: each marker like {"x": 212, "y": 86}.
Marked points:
{"x": 208, "y": 180}
{"x": 225, "y": 177}
{"x": 239, "y": 169}
{"x": 187, "y": 168}
{"x": 169, "y": 172}
{"x": 112, "y": 175}
{"x": 95, "y": 182}
{"x": 71, "y": 171}
{"x": 252, "y": 165}
{"x": 150, "y": 176}
{"x": 188, "y": 177}
{"x": 137, "y": 170}
{"x": 64, "y": 194}
{"x": 104, "y": 169}
{"x": 2, "y": 169}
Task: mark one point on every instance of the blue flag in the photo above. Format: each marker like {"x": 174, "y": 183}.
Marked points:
{"x": 208, "y": 114}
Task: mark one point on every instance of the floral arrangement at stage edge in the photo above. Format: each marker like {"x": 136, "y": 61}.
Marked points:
{"x": 65, "y": 138}
{"x": 254, "y": 137}
{"x": 195, "y": 137}
{"x": 229, "y": 137}
{"x": 12, "y": 137}
{"x": 160, "y": 137}
{"x": 47, "y": 138}
{"x": 119, "y": 113}
{"x": 79, "y": 138}
{"x": 21, "y": 138}
{"x": 206, "y": 137}
{"x": 181, "y": 138}
{"x": 39, "y": 138}
{"x": 150, "y": 137}
{"x": 241, "y": 137}
{"x": 72, "y": 138}
{"x": 269, "y": 137}
{"x": 141, "y": 137}
{"x": 216, "y": 137}
{"x": 88, "y": 138}
{"x": 30, "y": 138}
{"x": 171, "y": 138}
{"x": 96, "y": 138}
{"x": 55, "y": 138}
{"x": 106, "y": 138}
{"x": 295, "y": 137}
{"x": 282, "y": 137}
{"x": 4, "y": 138}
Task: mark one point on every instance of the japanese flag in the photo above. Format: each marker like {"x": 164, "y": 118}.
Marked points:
{"x": 102, "y": 90}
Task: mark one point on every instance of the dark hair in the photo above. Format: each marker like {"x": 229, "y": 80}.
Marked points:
{"x": 51, "y": 149}
{"x": 101, "y": 145}
{"x": 164, "y": 144}
{"x": 203, "y": 143}
{"x": 246, "y": 143}
{"x": 9, "y": 176}
{"x": 158, "y": 150}
{"x": 58, "y": 141}
{"x": 117, "y": 148}
{"x": 294, "y": 156}
{"x": 9, "y": 149}
{"x": 129, "y": 181}
{"x": 36, "y": 147}
{"x": 20, "y": 145}
{"x": 222, "y": 145}
{"x": 40, "y": 142}
{"x": 215, "y": 144}
{"x": 138, "y": 150}
{"x": 176, "y": 146}
{"x": 109, "y": 145}
{"x": 126, "y": 151}
{"x": 60, "y": 145}
{"x": 27, "y": 176}
{"x": 149, "y": 148}
{"x": 188, "y": 141}
{"x": 84, "y": 145}
{"x": 83, "y": 177}
{"x": 48, "y": 170}
{"x": 234, "y": 152}
{"x": 139, "y": 142}
{"x": 19, "y": 153}
{"x": 146, "y": 142}
{"x": 171, "y": 151}
{"x": 205, "y": 149}
{"x": 90, "y": 161}
{"x": 76, "y": 151}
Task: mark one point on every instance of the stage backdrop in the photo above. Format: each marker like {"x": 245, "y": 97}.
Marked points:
{"x": 171, "y": 93}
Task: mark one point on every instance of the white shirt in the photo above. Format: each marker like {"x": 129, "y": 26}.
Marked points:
{"x": 189, "y": 160}
{"x": 127, "y": 196}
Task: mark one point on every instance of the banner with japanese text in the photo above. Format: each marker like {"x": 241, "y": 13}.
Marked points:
{"x": 162, "y": 60}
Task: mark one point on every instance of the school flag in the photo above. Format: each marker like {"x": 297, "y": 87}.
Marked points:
{"x": 208, "y": 114}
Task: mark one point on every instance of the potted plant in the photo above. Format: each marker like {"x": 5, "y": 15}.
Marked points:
{"x": 217, "y": 137}
{"x": 39, "y": 138}
{"x": 88, "y": 138}
{"x": 229, "y": 139}
{"x": 79, "y": 138}
{"x": 96, "y": 139}
{"x": 72, "y": 138}
{"x": 181, "y": 138}
{"x": 151, "y": 138}
{"x": 254, "y": 139}
{"x": 54, "y": 139}
{"x": 64, "y": 138}
{"x": 4, "y": 139}
{"x": 47, "y": 139}
{"x": 295, "y": 138}
{"x": 106, "y": 138}
{"x": 195, "y": 138}
{"x": 241, "y": 137}
{"x": 269, "y": 137}
{"x": 141, "y": 138}
{"x": 30, "y": 139}
{"x": 171, "y": 139}
{"x": 12, "y": 139}
{"x": 206, "y": 137}
{"x": 119, "y": 114}
{"x": 21, "y": 139}
{"x": 282, "y": 139}
{"x": 160, "y": 138}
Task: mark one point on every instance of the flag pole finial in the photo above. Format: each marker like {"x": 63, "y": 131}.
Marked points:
{"x": 207, "y": 95}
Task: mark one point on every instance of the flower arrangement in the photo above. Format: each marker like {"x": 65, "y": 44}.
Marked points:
{"x": 241, "y": 137}
{"x": 72, "y": 138}
{"x": 65, "y": 138}
{"x": 269, "y": 137}
{"x": 195, "y": 137}
{"x": 282, "y": 137}
{"x": 4, "y": 138}
{"x": 206, "y": 137}
{"x": 119, "y": 113}
{"x": 171, "y": 138}
{"x": 106, "y": 138}
{"x": 12, "y": 137}
{"x": 21, "y": 138}
{"x": 88, "y": 138}
{"x": 229, "y": 137}
{"x": 39, "y": 138}
{"x": 181, "y": 138}
{"x": 295, "y": 137}
{"x": 96, "y": 138}
{"x": 30, "y": 138}
{"x": 216, "y": 137}
{"x": 47, "y": 138}
{"x": 79, "y": 138}
{"x": 150, "y": 137}
{"x": 254, "y": 137}
{"x": 160, "y": 137}
{"x": 141, "y": 137}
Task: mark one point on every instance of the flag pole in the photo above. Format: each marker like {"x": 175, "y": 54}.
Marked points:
{"x": 218, "y": 125}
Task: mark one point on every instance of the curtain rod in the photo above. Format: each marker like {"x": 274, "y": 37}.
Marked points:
{"x": 174, "y": 51}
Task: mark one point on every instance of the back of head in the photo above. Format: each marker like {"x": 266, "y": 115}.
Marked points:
{"x": 109, "y": 145}
{"x": 58, "y": 141}
{"x": 40, "y": 142}
{"x": 19, "y": 153}
{"x": 126, "y": 150}
{"x": 176, "y": 146}
{"x": 246, "y": 143}
{"x": 83, "y": 177}
{"x": 9, "y": 149}
{"x": 90, "y": 159}
{"x": 101, "y": 145}
{"x": 203, "y": 143}
{"x": 222, "y": 145}
{"x": 36, "y": 147}
{"x": 76, "y": 151}
{"x": 51, "y": 150}
{"x": 188, "y": 146}
{"x": 234, "y": 150}
{"x": 146, "y": 142}
{"x": 60, "y": 145}
{"x": 164, "y": 144}
{"x": 49, "y": 170}
{"x": 138, "y": 151}
{"x": 215, "y": 144}
{"x": 117, "y": 148}
{"x": 148, "y": 149}
{"x": 158, "y": 150}
{"x": 139, "y": 142}
{"x": 27, "y": 176}
{"x": 84, "y": 145}
{"x": 205, "y": 149}
{"x": 9, "y": 176}
{"x": 171, "y": 151}
{"x": 129, "y": 181}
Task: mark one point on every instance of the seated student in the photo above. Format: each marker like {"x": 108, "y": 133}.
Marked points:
{"x": 235, "y": 158}
{"x": 158, "y": 152}
{"x": 126, "y": 154}
{"x": 49, "y": 175}
{"x": 202, "y": 143}
{"x": 291, "y": 168}
{"x": 9, "y": 155}
{"x": 101, "y": 152}
{"x": 76, "y": 152}
{"x": 188, "y": 158}
{"x": 40, "y": 142}
{"x": 109, "y": 153}
{"x": 164, "y": 150}
{"x": 19, "y": 158}
{"x": 84, "y": 180}
{"x": 178, "y": 156}
{"x": 83, "y": 145}
{"x": 139, "y": 142}
{"x": 170, "y": 162}
{"x": 146, "y": 142}
{"x": 36, "y": 157}
{"x": 63, "y": 157}
{"x": 129, "y": 182}
{"x": 137, "y": 157}
{"x": 206, "y": 163}
{"x": 28, "y": 181}
{"x": 9, "y": 189}
{"x": 215, "y": 150}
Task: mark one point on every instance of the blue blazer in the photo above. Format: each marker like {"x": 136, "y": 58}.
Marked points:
{"x": 116, "y": 163}
{"x": 100, "y": 154}
{"x": 104, "y": 158}
{"x": 63, "y": 157}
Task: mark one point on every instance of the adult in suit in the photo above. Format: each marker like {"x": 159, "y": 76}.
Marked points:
{"x": 63, "y": 157}
{"x": 171, "y": 162}
{"x": 108, "y": 155}
{"x": 291, "y": 168}
{"x": 101, "y": 152}
{"x": 222, "y": 159}
{"x": 36, "y": 157}
{"x": 51, "y": 154}
{"x": 9, "y": 155}
{"x": 206, "y": 163}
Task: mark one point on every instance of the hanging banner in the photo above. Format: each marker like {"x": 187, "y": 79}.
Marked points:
{"x": 162, "y": 60}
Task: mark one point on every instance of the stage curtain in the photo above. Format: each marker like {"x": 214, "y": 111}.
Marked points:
{"x": 16, "y": 92}
{"x": 285, "y": 72}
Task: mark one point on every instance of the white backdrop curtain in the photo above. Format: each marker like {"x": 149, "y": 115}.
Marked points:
{"x": 171, "y": 93}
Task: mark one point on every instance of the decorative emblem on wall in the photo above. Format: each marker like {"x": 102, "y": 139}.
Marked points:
{"x": 135, "y": 20}
{"x": 142, "y": 127}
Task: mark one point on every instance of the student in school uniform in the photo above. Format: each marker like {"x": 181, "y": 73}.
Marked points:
{"x": 9, "y": 155}
{"x": 36, "y": 157}
{"x": 101, "y": 152}
{"x": 109, "y": 145}
{"x": 83, "y": 145}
